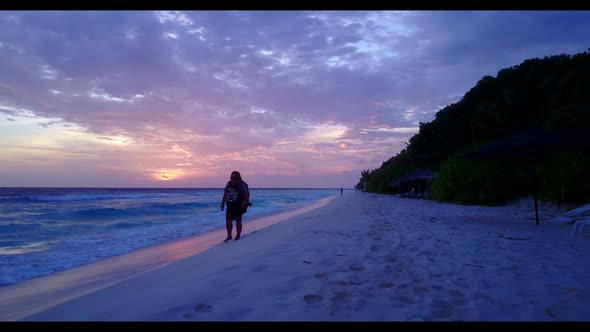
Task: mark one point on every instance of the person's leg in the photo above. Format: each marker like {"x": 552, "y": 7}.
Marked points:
{"x": 228, "y": 224}
{"x": 238, "y": 226}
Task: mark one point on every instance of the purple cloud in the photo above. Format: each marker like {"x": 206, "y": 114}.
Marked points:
{"x": 201, "y": 87}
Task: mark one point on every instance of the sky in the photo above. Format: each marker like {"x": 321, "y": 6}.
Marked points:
{"x": 289, "y": 98}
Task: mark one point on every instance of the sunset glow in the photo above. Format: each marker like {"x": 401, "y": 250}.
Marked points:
{"x": 165, "y": 175}
{"x": 288, "y": 98}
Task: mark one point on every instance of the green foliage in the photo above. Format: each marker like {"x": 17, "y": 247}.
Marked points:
{"x": 551, "y": 93}
{"x": 486, "y": 183}
{"x": 565, "y": 177}
{"x": 378, "y": 180}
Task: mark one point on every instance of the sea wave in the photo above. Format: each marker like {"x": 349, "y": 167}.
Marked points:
{"x": 97, "y": 197}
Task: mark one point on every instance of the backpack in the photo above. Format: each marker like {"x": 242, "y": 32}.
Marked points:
{"x": 243, "y": 186}
{"x": 246, "y": 209}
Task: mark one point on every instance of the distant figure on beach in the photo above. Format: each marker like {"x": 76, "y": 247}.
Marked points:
{"x": 341, "y": 190}
{"x": 237, "y": 195}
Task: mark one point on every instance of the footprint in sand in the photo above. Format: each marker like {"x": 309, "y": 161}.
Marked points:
{"x": 341, "y": 297}
{"x": 356, "y": 283}
{"x": 568, "y": 294}
{"x": 340, "y": 282}
{"x": 421, "y": 290}
{"x": 437, "y": 288}
{"x": 201, "y": 307}
{"x": 376, "y": 247}
{"x": 459, "y": 301}
{"x": 356, "y": 268}
{"x": 551, "y": 312}
{"x": 312, "y": 298}
{"x": 442, "y": 313}
{"x": 443, "y": 309}
{"x": 390, "y": 258}
{"x": 404, "y": 299}
{"x": 259, "y": 268}
{"x": 385, "y": 284}
{"x": 321, "y": 275}
{"x": 483, "y": 296}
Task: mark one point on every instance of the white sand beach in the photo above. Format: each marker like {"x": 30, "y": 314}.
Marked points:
{"x": 361, "y": 257}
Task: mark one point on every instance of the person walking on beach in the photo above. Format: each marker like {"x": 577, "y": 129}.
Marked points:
{"x": 341, "y": 190}
{"x": 237, "y": 195}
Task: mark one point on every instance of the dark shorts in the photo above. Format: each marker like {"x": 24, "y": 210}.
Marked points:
{"x": 234, "y": 212}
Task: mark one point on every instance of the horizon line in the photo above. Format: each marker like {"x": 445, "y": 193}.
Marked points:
{"x": 1, "y": 187}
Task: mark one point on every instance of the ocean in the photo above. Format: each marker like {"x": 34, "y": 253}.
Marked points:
{"x": 45, "y": 230}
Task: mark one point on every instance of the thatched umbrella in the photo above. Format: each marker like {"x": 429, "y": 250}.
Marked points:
{"x": 531, "y": 144}
{"x": 417, "y": 175}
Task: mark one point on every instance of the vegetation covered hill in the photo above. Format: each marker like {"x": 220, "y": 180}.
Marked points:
{"x": 551, "y": 93}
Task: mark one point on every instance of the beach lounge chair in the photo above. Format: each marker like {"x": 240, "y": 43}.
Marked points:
{"x": 580, "y": 224}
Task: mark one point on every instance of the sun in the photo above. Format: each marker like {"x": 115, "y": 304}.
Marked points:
{"x": 165, "y": 175}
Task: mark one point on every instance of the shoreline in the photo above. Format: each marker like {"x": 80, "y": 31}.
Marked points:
{"x": 364, "y": 257}
{"x": 33, "y": 295}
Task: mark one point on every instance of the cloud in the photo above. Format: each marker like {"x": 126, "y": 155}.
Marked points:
{"x": 294, "y": 90}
